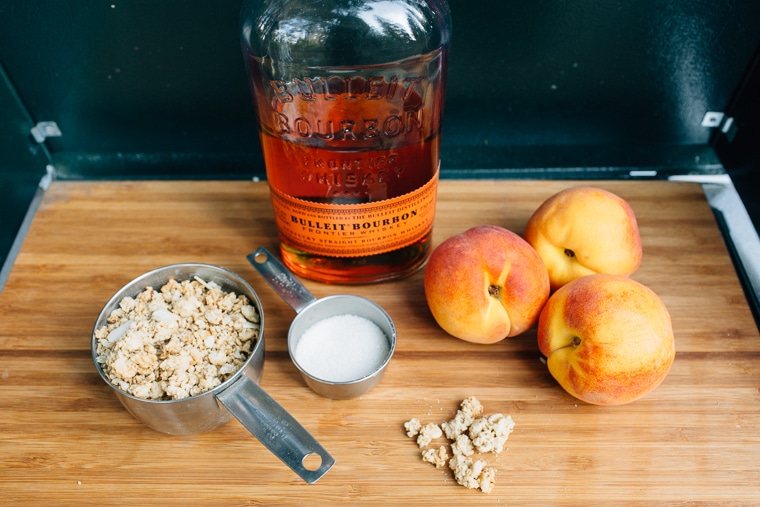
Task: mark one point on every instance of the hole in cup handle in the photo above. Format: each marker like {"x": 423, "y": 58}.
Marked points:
{"x": 274, "y": 427}
{"x": 281, "y": 279}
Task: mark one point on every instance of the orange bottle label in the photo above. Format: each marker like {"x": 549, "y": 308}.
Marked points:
{"x": 356, "y": 230}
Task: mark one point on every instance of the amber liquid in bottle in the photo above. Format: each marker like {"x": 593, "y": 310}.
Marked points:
{"x": 352, "y": 157}
{"x": 335, "y": 160}
{"x": 362, "y": 269}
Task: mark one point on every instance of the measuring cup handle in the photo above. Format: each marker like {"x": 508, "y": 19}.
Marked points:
{"x": 274, "y": 427}
{"x": 280, "y": 279}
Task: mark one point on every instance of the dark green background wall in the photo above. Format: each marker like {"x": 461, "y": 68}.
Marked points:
{"x": 543, "y": 88}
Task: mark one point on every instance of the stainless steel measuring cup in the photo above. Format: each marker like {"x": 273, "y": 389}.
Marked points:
{"x": 239, "y": 396}
{"x": 311, "y": 310}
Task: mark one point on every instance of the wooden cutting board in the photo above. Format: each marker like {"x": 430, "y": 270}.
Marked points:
{"x": 66, "y": 440}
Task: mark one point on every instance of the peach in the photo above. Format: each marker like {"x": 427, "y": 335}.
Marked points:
{"x": 608, "y": 339}
{"x": 583, "y": 231}
{"x": 485, "y": 284}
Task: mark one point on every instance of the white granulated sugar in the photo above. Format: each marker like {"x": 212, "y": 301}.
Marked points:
{"x": 342, "y": 348}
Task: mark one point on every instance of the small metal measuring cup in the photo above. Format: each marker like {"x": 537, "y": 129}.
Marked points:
{"x": 311, "y": 310}
{"x": 239, "y": 396}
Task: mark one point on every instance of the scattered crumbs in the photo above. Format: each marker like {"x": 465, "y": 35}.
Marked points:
{"x": 469, "y": 432}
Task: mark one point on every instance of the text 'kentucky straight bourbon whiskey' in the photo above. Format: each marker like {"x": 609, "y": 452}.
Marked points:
{"x": 349, "y": 96}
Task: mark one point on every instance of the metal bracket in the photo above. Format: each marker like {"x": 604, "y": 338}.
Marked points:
{"x": 49, "y": 177}
{"x": 45, "y": 129}
{"x": 713, "y": 119}
{"x": 718, "y": 119}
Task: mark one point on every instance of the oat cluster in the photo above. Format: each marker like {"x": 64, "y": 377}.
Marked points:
{"x": 470, "y": 431}
{"x": 181, "y": 340}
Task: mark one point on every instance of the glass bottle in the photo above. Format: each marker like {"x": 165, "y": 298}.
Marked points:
{"x": 349, "y": 98}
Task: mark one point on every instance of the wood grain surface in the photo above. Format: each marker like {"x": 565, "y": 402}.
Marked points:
{"x": 66, "y": 440}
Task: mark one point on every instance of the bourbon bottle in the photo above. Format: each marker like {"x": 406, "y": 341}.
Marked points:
{"x": 349, "y": 99}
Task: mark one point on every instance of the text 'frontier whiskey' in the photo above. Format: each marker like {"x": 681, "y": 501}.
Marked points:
{"x": 349, "y": 96}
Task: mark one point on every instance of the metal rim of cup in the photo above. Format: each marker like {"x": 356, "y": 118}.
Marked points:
{"x": 390, "y": 336}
